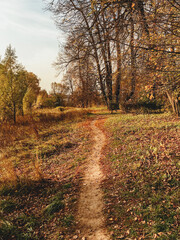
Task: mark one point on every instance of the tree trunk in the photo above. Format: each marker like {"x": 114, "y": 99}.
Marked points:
{"x": 118, "y": 77}
{"x": 14, "y": 112}
{"x": 118, "y": 52}
{"x": 110, "y": 93}
{"x": 174, "y": 103}
{"x": 133, "y": 59}
{"x": 101, "y": 81}
{"x": 107, "y": 67}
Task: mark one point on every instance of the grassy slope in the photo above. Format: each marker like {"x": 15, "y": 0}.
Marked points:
{"x": 141, "y": 190}
{"x": 40, "y": 175}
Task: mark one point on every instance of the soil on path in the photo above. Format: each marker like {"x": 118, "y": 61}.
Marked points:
{"x": 90, "y": 208}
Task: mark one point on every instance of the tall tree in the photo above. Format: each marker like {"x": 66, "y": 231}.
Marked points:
{"x": 15, "y": 83}
{"x": 11, "y": 81}
{"x": 31, "y": 90}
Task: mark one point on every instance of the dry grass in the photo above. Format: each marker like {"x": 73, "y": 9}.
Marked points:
{"x": 7, "y": 170}
{"x": 40, "y": 171}
{"x": 25, "y": 144}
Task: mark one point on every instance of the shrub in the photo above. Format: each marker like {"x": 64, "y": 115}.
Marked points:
{"x": 144, "y": 105}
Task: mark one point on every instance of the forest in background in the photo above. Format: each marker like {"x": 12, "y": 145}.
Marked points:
{"x": 122, "y": 54}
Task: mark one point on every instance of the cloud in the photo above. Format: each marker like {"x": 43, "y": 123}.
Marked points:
{"x": 15, "y": 13}
{"x": 31, "y": 31}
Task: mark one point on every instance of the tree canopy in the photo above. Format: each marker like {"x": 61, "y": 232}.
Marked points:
{"x": 132, "y": 44}
{"x": 17, "y": 86}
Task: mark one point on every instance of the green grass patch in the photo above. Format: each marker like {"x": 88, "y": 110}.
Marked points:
{"x": 56, "y": 204}
{"x": 68, "y": 221}
{"x": 7, "y": 206}
{"x": 53, "y": 207}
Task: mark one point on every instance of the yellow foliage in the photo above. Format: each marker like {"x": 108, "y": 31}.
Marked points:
{"x": 151, "y": 96}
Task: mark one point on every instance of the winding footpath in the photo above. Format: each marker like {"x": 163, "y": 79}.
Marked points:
{"x": 90, "y": 208}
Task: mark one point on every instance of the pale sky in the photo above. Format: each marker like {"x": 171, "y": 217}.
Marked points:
{"x": 31, "y": 31}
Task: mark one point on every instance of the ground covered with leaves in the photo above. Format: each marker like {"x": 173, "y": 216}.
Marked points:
{"x": 40, "y": 176}
{"x": 142, "y": 186}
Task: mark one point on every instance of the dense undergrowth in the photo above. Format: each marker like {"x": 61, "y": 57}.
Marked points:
{"x": 142, "y": 187}
{"x": 40, "y": 170}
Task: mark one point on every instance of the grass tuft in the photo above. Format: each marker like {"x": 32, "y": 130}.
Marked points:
{"x": 7, "y": 206}
{"x": 56, "y": 204}
{"x": 68, "y": 220}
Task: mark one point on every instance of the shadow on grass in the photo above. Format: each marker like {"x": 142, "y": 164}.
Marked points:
{"x": 28, "y": 210}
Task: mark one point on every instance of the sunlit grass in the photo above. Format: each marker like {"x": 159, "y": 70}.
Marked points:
{"x": 34, "y": 138}
{"x": 142, "y": 191}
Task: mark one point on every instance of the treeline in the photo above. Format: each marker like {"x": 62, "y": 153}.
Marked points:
{"x": 20, "y": 92}
{"x": 124, "y": 52}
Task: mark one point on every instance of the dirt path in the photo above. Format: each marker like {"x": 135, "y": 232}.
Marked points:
{"x": 90, "y": 210}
